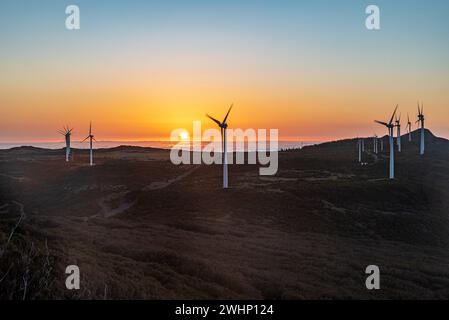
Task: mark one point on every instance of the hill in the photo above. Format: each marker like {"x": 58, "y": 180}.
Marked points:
{"x": 140, "y": 227}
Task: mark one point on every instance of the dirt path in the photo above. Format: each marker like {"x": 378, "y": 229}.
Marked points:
{"x": 4, "y": 208}
{"x": 164, "y": 184}
{"x": 21, "y": 207}
{"x": 106, "y": 210}
{"x": 375, "y": 156}
{"x": 19, "y": 179}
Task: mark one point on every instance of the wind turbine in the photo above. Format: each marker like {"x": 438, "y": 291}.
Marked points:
{"x": 223, "y": 127}
{"x": 66, "y": 132}
{"x": 398, "y": 125}
{"x": 375, "y": 144}
{"x": 390, "y": 127}
{"x": 90, "y": 137}
{"x": 381, "y": 144}
{"x": 421, "y": 121}
{"x": 359, "y": 149}
{"x": 409, "y": 128}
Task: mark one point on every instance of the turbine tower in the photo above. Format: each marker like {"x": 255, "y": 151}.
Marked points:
{"x": 375, "y": 140}
{"x": 390, "y": 127}
{"x": 398, "y": 126}
{"x": 359, "y": 149}
{"x": 91, "y": 138}
{"x": 409, "y": 128}
{"x": 421, "y": 121}
{"x": 66, "y": 132}
{"x": 223, "y": 127}
{"x": 381, "y": 144}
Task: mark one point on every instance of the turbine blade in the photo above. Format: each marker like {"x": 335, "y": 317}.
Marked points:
{"x": 214, "y": 120}
{"x": 394, "y": 113}
{"x": 85, "y": 139}
{"x": 227, "y": 114}
{"x": 90, "y": 128}
{"x": 382, "y": 123}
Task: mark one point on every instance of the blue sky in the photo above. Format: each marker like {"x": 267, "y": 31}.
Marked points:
{"x": 314, "y": 55}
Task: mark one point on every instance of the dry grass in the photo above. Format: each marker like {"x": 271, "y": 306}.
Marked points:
{"x": 308, "y": 232}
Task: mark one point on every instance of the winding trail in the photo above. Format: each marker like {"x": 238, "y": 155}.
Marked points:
{"x": 107, "y": 212}
{"x": 21, "y": 207}
{"x": 164, "y": 184}
{"x": 375, "y": 156}
{"x": 19, "y": 179}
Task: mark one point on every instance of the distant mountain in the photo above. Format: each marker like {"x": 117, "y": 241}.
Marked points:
{"x": 129, "y": 149}
{"x": 29, "y": 150}
{"x": 430, "y": 140}
{"x": 25, "y": 150}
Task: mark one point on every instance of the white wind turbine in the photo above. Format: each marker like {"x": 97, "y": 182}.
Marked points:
{"x": 409, "y": 128}
{"x": 359, "y": 149}
{"x": 398, "y": 126}
{"x": 91, "y": 138}
{"x": 390, "y": 127}
{"x": 375, "y": 140}
{"x": 421, "y": 121}
{"x": 67, "y": 134}
{"x": 223, "y": 127}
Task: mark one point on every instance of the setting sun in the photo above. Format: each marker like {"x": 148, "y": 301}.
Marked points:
{"x": 184, "y": 136}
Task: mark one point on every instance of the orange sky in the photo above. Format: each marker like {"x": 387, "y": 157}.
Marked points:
{"x": 140, "y": 107}
{"x": 309, "y": 77}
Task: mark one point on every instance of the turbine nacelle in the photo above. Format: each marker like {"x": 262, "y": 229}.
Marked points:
{"x": 420, "y": 112}
{"x": 409, "y": 124}
{"x": 223, "y": 124}
{"x": 398, "y": 121}
{"x": 66, "y": 131}
{"x": 389, "y": 125}
{"x": 90, "y": 136}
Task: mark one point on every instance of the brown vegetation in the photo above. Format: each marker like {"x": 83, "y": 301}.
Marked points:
{"x": 308, "y": 232}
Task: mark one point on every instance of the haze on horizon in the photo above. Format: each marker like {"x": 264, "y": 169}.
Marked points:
{"x": 139, "y": 69}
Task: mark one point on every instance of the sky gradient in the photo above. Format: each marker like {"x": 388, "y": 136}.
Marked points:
{"x": 139, "y": 69}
